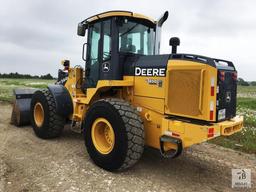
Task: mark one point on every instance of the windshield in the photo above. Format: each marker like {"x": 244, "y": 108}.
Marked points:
{"x": 136, "y": 38}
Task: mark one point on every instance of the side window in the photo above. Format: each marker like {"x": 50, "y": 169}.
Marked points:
{"x": 134, "y": 42}
{"x": 149, "y": 37}
{"x": 93, "y": 62}
{"x": 95, "y": 38}
{"x": 106, "y": 40}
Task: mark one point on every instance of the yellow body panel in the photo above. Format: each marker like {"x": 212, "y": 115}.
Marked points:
{"x": 230, "y": 127}
{"x": 152, "y": 122}
{"x": 154, "y": 104}
{"x": 142, "y": 87}
{"x": 104, "y": 84}
{"x": 191, "y": 133}
{"x": 157, "y": 124}
{"x": 188, "y": 92}
{"x": 81, "y": 101}
{"x": 73, "y": 84}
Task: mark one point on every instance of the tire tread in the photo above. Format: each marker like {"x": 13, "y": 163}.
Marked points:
{"x": 134, "y": 130}
{"x": 56, "y": 122}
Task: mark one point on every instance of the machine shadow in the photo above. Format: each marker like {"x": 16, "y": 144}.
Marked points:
{"x": 68, "y": 134}
{"x": 184, "y": 167}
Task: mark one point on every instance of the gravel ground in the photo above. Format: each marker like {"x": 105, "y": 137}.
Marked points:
{"x": 28, "y": 163}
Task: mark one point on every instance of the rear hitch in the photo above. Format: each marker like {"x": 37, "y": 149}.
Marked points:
{"x": 173, "y": 152}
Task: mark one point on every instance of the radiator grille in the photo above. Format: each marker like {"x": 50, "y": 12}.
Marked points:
{"x": 184, "y": 92}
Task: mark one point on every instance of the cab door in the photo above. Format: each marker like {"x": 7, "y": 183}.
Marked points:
{"x": 98, "y": 52}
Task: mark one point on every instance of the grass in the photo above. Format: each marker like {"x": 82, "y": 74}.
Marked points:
{"x": 246, "y": 91}
{"x": 246, "y": 139}
{"x": 246, "y": 102}
{"x": 7, "y": 86}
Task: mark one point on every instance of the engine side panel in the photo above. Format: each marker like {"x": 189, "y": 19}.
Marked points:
{"x": 191, "y": 90}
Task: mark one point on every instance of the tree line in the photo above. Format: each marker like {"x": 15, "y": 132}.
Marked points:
{"x": 242, "y": 82}
{"x": 25, "y": 76}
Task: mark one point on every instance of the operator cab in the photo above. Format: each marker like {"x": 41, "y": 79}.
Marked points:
{"x": 111, "y": 38}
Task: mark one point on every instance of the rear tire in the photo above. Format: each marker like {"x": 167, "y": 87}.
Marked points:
{"x": 128, "y": 134}
{"x": 45, "y": 121}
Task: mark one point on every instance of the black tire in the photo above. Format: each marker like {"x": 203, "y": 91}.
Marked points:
{"x": 128, "y": 129}
{"x": 53, "y": 124}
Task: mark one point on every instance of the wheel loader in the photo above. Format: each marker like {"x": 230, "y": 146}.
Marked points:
{"x": 128, "y": 96}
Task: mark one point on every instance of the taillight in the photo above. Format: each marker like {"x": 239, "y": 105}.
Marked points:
{"x": 211, "y": 110}
{"x": 222, "y": 75}
{"x": 234, "y": 76}
{"x": 212, "y": 86}
{"x": 210, "y": 132}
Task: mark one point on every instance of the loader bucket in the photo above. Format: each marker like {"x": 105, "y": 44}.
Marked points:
{"x": 21, "y": 106}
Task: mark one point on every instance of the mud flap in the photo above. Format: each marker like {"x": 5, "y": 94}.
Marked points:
{"x": 63, "y": 100}
{"x": 21, "y": 106}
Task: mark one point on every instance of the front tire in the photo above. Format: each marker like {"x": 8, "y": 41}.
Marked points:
{"x": 45, "y": 121}
{"x": 114, "y": 134}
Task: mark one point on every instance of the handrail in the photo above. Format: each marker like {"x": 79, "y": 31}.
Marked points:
{"x": 201, "y": 90}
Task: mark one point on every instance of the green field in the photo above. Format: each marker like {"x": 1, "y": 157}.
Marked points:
{"x": 246, "y": 91}
{"x": 7, "y": 86}
{"x": 246, "y": 106}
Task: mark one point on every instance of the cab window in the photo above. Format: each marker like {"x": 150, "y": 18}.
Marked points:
{"x": 106, "y": 40}
{"x": 136, "y": 38}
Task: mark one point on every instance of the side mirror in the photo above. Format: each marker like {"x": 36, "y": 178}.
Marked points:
{"x": 174, "y": 42}
{"x": 81, "y": 28}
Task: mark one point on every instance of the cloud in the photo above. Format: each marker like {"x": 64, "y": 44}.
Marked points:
{"x": 36, "y": 35}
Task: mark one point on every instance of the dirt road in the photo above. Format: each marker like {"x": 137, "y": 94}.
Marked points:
{"x": 28, "y": 163}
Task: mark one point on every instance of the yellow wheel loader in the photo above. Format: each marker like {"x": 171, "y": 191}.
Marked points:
{"x": 128, "y": 95}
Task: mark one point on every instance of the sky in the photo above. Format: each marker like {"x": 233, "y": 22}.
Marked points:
{"x": 35, "y": 35}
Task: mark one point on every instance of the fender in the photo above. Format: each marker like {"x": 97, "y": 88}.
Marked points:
{"x": 63, "y": 100}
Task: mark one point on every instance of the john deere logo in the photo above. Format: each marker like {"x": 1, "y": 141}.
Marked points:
{"x": 105, "y": 67}
{"x": 228, "y": 97}
{"x": 150, "y": 72}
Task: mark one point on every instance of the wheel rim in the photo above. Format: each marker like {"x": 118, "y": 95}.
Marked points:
{"x": 103, "y": 136}
{"x": 39, "y": 114}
